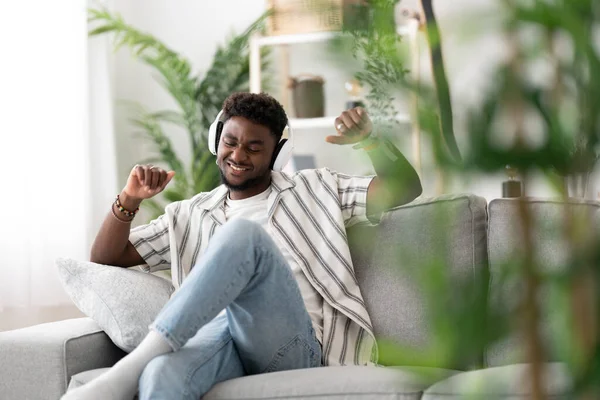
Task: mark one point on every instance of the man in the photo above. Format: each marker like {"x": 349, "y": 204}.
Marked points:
{"x": 261, "y": 264}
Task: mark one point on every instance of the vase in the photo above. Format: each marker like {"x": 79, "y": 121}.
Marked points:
{"x": 308, "y": 96}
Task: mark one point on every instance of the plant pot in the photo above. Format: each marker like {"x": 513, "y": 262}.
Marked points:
{"x": 308, "y": 96}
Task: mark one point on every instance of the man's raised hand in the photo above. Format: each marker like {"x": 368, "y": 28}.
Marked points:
{"x": 352, "y": 126}
{"x": 146, "y": 181}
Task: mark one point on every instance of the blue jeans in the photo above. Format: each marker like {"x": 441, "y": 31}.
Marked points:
{"x": 265, "y": 326}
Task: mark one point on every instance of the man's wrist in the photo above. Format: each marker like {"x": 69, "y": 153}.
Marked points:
{"x": 129, "y": 202}
{"x": 369, "y": 143}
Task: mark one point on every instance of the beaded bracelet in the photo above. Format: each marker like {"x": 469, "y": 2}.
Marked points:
{"x": 112, "y": 210}
{"x": 123, "y": 210}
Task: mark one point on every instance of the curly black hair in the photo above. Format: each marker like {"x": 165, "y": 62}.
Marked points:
{"x": 260, "y": 108}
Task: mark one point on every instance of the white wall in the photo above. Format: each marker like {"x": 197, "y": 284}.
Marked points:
{"x": 194, "y": 28}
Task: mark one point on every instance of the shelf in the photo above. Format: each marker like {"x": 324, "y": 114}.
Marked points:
{"x": 328, "y": 122}
{"x": 309, "y": 37}
{"x": 296, "y": 38}
{"x": 308, "y": 123}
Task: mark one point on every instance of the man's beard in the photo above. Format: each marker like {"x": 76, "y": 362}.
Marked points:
{"x": 247, "y": 184}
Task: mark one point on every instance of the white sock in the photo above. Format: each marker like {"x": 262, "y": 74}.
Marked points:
{"x": 121, "y": 381}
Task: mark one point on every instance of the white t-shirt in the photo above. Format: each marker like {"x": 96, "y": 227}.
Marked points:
{"x": 255, "y": 209}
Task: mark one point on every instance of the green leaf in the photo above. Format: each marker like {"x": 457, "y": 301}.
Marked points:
{"x": 154, "y": 207}
{"x": 173, "y": 195}
{"x": 172, "y": 117}
{"x": 101, "y": 30}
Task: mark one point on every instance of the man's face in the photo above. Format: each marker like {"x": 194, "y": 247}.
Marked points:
{"x": 244, "y": 156}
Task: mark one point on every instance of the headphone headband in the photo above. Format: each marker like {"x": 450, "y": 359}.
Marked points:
{"x": 281, "y": 155}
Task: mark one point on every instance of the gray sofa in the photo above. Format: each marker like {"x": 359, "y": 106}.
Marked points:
{"x": 466, "y": 240}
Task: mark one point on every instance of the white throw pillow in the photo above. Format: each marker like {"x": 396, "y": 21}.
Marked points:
{"x": 123, "y": 302}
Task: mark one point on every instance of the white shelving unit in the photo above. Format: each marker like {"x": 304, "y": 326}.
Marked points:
{"x": 284, "y": 41}
{"x": 258, "y": 41}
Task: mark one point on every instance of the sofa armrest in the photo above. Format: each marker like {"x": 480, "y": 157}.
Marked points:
{"x": 38, "y": 362}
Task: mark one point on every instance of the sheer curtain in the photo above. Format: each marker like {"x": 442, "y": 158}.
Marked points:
{"x": 57, "y": 157}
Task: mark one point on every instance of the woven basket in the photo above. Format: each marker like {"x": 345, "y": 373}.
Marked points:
{"x": 305, "y": 16}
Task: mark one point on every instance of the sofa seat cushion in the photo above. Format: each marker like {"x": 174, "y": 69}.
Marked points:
{"x": 333, "y": 383}
{"x": 351, "y": 382}
{"x": 506, "y": 382}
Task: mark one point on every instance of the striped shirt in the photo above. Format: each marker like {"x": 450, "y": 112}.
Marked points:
{"x": 308, "y": 212}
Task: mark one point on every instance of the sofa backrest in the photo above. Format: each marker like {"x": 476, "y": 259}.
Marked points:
{"x": 551, "y": 253}
{"x": 441, "y": 239}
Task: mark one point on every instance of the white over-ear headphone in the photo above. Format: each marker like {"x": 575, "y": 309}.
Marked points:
{"x": 283, "y": 150}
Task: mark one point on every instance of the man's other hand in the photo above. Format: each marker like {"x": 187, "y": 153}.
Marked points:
{"x": 352, "y": 126}
{"x": 146, "y": 181}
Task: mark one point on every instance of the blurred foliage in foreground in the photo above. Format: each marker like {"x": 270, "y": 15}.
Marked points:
{"x": 560, "y": 38}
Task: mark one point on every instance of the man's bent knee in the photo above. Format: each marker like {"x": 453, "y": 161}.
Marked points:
{"x": 242, "y": 227}
{"x": 160, "y": 377}
{"x": 241, "y": 232}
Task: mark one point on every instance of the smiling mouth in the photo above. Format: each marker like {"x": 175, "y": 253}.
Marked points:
{"x": 239, "y": 169}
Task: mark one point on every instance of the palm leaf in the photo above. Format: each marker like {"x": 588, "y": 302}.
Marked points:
{"x": 230, "y": 67}
{"x": 203, "y": 174}
{"x": 173, "y": 195}
{"x": 169, "y": 116}
{"x": 151, "y": 127}
{"x": 174, "y": 70}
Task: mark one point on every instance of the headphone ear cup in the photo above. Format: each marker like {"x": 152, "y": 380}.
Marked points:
{"x": 276, "y": 152}
{"x": 218, "y": 136}
{"x": 214, "y": 133}
{"x": 283, "y": 153}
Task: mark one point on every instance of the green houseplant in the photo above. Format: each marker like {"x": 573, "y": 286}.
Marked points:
{"x": 376, "y": 43}
{"x": 198, "y": 99}
{"x": 560, "y": 34}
